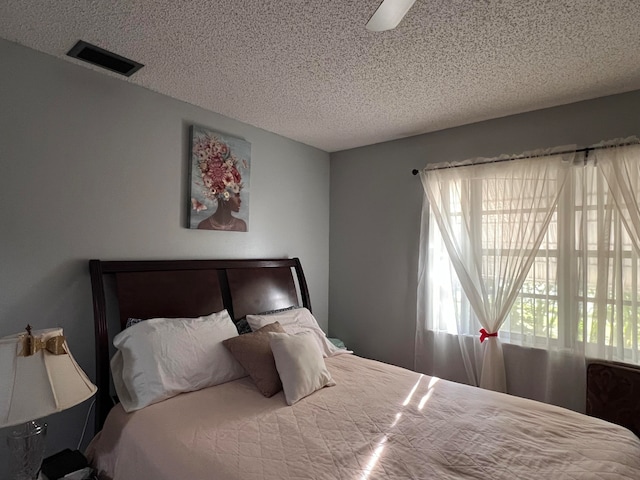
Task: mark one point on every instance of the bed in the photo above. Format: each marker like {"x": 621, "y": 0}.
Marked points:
{"x": 369, "y": 421}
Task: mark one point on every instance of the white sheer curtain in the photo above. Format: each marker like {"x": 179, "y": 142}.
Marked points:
{"x": 492, "y": 218}
{"x": 620, "y": 166}
{"x": 579, "y": 299}
{"x": 614, "y": 328}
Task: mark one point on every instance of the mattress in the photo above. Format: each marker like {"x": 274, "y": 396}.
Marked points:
{"x": 378, "y": 421}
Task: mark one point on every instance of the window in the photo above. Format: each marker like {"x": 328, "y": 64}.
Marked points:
{"x": 581, "y": 291}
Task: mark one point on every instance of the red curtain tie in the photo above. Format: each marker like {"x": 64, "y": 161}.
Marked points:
{"x": 484, "y": 335}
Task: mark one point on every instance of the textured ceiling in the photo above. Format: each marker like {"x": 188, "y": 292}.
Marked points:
{"x": 309, "y": 70}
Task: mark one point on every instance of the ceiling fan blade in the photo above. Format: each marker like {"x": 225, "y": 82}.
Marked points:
{"x": 388, "y": 15}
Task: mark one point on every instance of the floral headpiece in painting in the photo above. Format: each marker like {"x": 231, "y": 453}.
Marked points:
{"x": 218, "y": 168}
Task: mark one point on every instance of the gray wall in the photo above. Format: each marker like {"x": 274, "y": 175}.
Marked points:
{"x": 95, "y": 167}
{"x": 376, "y": 204}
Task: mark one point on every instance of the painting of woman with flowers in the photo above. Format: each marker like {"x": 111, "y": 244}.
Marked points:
{"x": 220, "y": 167}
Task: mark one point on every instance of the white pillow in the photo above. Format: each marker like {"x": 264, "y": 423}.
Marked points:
{"x": 162, "y": 357}
{"x": 300, "y": 365}
{"x": 297, "y": 321}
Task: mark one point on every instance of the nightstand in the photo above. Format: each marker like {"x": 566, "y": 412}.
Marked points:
{"x": 67, "y": 464}
{"x": 613, "y": 393}
{"x": 337, "y": 342}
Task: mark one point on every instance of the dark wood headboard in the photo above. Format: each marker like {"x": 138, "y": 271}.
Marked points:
{"x": 186, "y": 288}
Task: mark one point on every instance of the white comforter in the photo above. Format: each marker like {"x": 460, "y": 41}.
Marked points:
{"x": 379, "y": 421}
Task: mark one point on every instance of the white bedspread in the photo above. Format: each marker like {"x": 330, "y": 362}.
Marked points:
{"x": 379, "y": 421}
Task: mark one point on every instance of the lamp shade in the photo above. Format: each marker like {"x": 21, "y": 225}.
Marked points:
{"x": 39, "y": 377}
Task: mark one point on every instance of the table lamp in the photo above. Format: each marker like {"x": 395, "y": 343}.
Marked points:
{"x": 38, "y": 377}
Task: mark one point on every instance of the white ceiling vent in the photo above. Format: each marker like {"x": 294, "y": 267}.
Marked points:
{"x": 104, "y": 58}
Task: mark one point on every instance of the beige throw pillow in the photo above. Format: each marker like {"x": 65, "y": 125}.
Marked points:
{"x": 300, "y": 365}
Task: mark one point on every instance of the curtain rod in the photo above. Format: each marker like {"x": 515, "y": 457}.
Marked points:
{"x": 562, "y": 152}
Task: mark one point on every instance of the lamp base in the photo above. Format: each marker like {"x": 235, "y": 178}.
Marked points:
{"x": 26, "y": 450}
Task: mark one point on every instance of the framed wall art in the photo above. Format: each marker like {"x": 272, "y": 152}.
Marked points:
{"x": 220, "y": 171}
